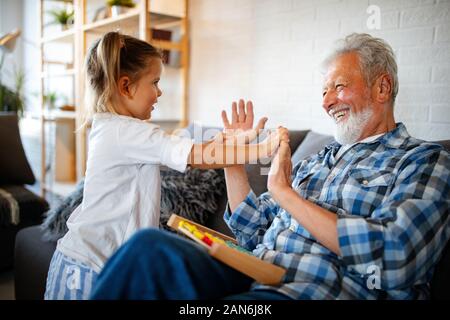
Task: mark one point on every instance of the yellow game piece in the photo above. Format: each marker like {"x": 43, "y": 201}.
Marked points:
{"x": 187, "y": 226}
{"x": 197, "y": 234}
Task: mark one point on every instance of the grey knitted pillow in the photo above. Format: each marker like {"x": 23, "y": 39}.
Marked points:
{"x": 54, "y": 224}
{"x": 193, "y": 194}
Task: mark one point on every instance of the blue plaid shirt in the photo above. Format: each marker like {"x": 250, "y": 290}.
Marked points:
{"x": 391, "y": 197}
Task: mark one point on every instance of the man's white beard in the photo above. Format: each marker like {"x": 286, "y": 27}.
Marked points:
{"x": 350, "y": 130}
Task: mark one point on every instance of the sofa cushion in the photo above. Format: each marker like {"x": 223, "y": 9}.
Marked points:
{"x": 31, "y": 207}
{"x": 31, "y": 212}
{"x": 193, "y": 194}
{"x": 14, "y": 166}
{"x": 31, "y": 262}
{"x": 313, "y": 143}
{"x": 445, "y": 144}
{"x": 54, "y": 226}
{"x": 257, "y": 173}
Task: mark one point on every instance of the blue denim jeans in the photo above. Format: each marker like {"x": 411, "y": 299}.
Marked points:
{"x": 155, "y": 264}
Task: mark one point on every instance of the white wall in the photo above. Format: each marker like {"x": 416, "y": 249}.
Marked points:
{"x": 270, "y": 50}
{"x": 31, "y": 57}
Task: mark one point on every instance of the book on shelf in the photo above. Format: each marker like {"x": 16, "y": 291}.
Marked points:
{"x": 160, "y": 34}
{"x": 226, "y": 249}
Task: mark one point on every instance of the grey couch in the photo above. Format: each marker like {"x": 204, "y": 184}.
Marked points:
{"x": 32, "y": 254}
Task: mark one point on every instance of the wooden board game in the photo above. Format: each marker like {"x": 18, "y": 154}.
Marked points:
{"x": 225, "y": 249}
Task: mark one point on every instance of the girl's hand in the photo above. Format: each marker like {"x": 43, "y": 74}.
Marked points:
{"x": 271, "y": 143}
{"x": 281, "y": 169}
{"x": 241, "y": 121}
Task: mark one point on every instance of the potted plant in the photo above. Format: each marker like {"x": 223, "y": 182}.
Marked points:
{"x": 62, "y": 16}
{"x": 12, "y": 99}
{"x": 120, "y": 6}
{"x": 50, "y": 100}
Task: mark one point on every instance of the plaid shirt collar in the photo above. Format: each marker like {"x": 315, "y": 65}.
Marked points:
{"x": 393, "y": 139}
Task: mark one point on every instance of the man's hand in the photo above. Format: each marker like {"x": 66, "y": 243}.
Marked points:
{"x": 236, "y": 177}
{"x": 280, "y": 172}
{"x": 241, "y": 121}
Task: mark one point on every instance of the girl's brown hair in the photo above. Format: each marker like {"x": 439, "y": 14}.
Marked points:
{"x": 109, "y": 58}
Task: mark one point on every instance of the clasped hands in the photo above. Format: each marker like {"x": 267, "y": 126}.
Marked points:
{"x": 241, "y": 130}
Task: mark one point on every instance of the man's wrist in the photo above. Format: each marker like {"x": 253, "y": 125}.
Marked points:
{"x": 234, "y": 168}
{"x": 282, "y": 194}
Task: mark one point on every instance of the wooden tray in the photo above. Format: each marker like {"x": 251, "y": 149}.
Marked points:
{"x": 257, "y": 269}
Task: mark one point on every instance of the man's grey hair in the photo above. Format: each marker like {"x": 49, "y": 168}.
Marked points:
{"x": 375, "y": 57}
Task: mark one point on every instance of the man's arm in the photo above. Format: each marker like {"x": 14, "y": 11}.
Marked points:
{"x": 237, "y": 185}
{"x": 321, "y": 223}
{"x": 403, "y": 237}
{"x": 406, "y": 234}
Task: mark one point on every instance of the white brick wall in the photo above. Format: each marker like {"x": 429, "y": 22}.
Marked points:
{"x": 269, "y": 51}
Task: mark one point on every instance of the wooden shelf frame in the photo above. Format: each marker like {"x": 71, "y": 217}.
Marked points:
{"x": 66, "y": 36}
{"x": 58, "y": 74}
{"x": 130, "y": 18}
{"x": 59, "y": 114}
{"x": 54, "y": 116}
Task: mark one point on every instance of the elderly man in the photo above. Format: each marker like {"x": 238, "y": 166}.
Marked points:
{"x": 366, "y": 218}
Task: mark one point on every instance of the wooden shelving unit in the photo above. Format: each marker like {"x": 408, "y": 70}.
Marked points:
{"x": 67, "y": 36}
{"x": 140, "y": 21}
{"x": 62, "y": 122}
{"x": 65, "y": 73}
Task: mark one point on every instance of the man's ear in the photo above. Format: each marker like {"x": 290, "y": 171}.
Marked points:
{"x": 382, "y": 89}
{"x": 124, "y": 85}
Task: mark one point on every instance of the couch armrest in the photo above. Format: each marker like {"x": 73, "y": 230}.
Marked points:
{"x": 31, "y": 263}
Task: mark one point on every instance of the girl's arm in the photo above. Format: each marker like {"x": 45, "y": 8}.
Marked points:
{"x": 223, "y": 152}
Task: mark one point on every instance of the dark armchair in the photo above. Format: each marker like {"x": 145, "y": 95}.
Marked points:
{"x": 19, "y": 207}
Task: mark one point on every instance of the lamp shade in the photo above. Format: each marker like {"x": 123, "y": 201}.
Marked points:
{"x": 8, "y": 40}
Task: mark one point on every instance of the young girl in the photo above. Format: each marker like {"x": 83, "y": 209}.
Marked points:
{"x": 122, "y": 184}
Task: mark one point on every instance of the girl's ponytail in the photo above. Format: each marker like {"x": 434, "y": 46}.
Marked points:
{"x": 108, "y": 57}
